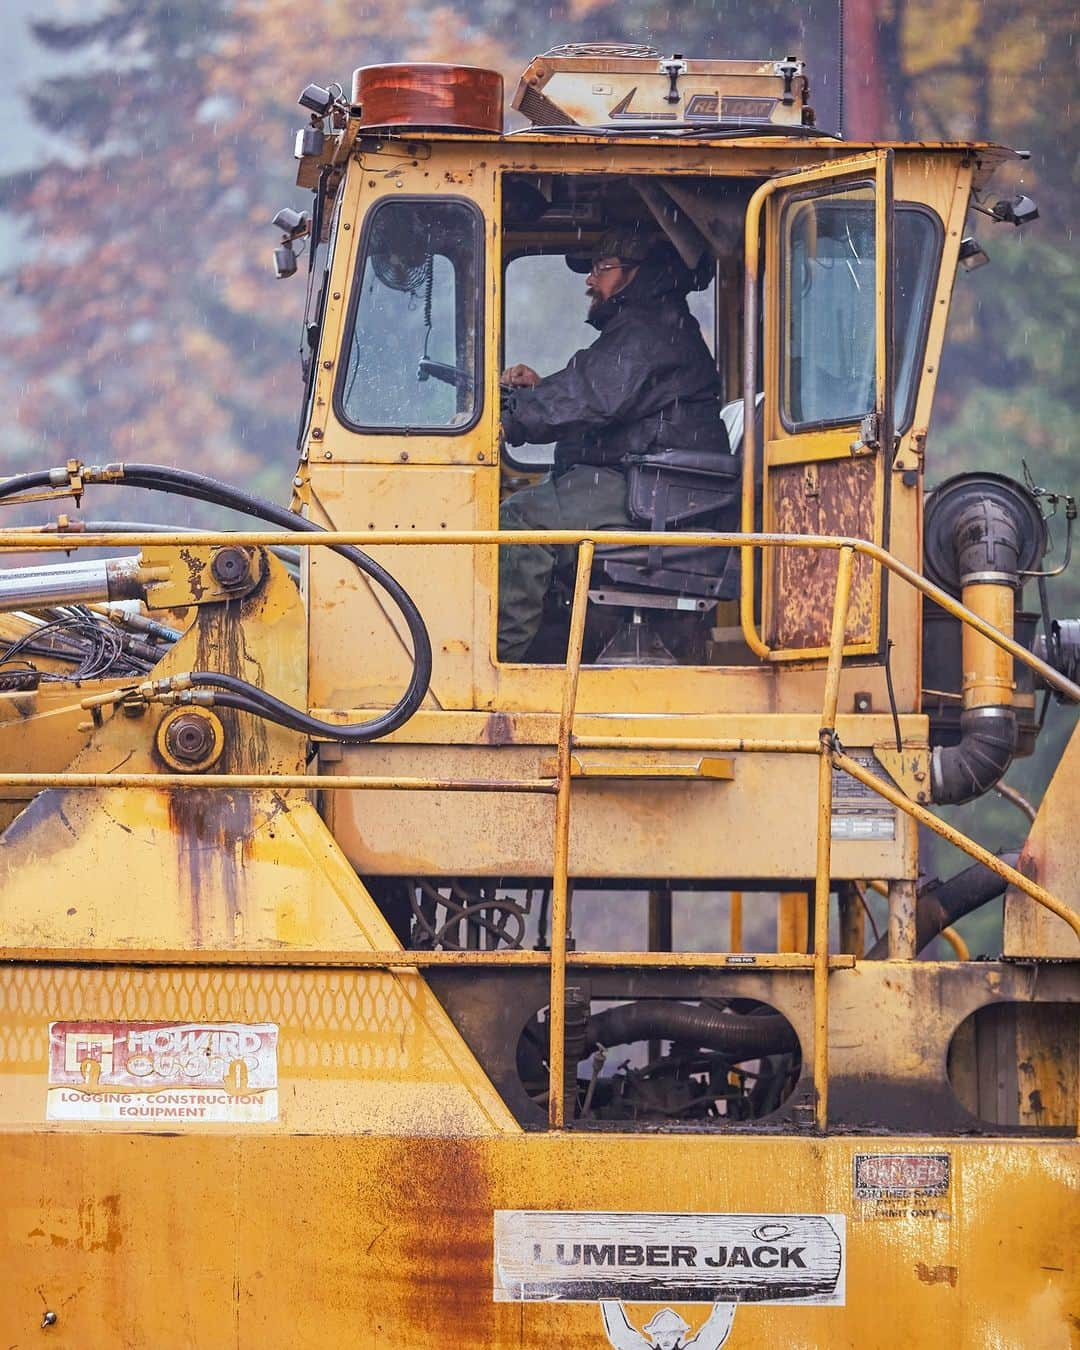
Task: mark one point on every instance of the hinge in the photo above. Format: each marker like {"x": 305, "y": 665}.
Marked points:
{"x": 909, "y": 769}
{"x": 911, "y": 458}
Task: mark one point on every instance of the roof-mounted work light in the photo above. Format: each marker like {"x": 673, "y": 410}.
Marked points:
{"x": 309, "y": 143}
{"x": 284, "y": 261}
{"x": 1020, "y": 211}
{"x": 293, "y": 225}
{"x": 317, "y": 100}
{"x": 972, "y": 255}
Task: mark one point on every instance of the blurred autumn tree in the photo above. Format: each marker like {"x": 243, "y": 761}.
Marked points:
{"x": 141, "y": 283}
{"x": 152, "y": 326}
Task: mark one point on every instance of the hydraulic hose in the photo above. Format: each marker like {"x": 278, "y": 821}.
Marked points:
{"x": 238, "y": 693}
{"x": 947, "y": 901}
{"x": 30, "y": 482}
{"x": 740, "y": 1036}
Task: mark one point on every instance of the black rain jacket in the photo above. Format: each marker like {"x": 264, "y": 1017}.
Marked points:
{"x": 647, "y": 382}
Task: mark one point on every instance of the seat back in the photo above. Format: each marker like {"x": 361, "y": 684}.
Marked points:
{"x": 671, "y": 490}
{"x": 681, "y": 489}
{"x": 667, "y": 489}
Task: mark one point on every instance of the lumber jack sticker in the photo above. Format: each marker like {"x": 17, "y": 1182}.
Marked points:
{"x": 163, "y": 1073}
{"x": 610, "y": 1258}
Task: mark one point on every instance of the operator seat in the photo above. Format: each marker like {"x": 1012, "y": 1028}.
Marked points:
{"x": 690, "y": 490}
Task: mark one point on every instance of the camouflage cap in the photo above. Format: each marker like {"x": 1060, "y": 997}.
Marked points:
{"x": 628, "y": 245}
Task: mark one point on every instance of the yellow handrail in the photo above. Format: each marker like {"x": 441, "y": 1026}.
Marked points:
{"x": 15, "y": 540}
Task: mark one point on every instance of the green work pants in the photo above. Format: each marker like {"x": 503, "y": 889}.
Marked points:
{"x": 583, "y": 498}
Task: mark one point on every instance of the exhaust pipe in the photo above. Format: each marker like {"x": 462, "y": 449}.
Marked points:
{"x": 983, "y": 531}
{"x": 945, "y": 902}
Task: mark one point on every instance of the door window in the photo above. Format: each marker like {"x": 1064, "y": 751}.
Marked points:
{"x": 414, "y": 351}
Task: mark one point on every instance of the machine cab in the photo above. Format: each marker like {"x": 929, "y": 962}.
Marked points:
{"x": 817, "y": 269}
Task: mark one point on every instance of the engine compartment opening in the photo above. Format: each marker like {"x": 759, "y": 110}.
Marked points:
{"x": 661, "y": 1060}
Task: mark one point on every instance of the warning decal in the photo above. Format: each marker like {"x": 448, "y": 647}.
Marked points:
{"x": 685, "y": 1258}
{"x": 163, "y": 1073}
{"x": 878, "y": 1175}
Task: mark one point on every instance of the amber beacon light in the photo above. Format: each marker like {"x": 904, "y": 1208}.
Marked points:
{"x": 453, "y": 98}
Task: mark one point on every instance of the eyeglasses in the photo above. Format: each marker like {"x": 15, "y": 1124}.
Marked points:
{"x": 597, "y": 268}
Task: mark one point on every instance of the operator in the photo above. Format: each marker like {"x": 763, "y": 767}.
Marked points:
{"x": 648, "y": 382}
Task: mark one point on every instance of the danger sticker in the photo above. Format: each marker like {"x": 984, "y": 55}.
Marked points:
{"x": 163, "y": 1073}
{"x": 881, "y": 1175}
{"x": 544, "y": 1255}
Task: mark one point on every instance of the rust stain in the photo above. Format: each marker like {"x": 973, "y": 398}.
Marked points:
{"x": 499, "y": 729}
{"x": 221, "y": 645}
{"x": 194, "y": 567}
{"x": 211, "y": 828}
{"x": 446, "y": 1241}
{"x": 937, "y": 1274}
{"x": 100, "y": 1229}
{"x": 214, "y": 828}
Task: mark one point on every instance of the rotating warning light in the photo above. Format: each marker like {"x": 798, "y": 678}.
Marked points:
{"x": 430, "y": 96}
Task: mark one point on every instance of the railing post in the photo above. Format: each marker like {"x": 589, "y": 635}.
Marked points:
{"x": 903, "y": 945}
{"x": 823, "y": 877}
{"x": 954, "y": 836}
{"x": 560, "y": 878}
{"x": 735, "y": 923}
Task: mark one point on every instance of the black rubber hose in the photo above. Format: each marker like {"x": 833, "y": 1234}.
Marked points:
{"x": 948, "y": 901}
{"x": 962, "y": 772}
{"x": 28, "y": 482}
{"x": 661, "y": 1019}
{"x": 249, "y": 697}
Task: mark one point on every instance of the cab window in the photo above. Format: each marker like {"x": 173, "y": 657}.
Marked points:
{"x": 828, "y": 353}
{"x": 414, "y": 348}
{"x": 545, "y": 324}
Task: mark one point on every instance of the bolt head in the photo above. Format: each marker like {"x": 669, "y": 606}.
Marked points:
{"x": 230, "y": 567}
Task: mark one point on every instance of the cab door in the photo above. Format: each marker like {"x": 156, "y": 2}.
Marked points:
{"x": 827, "y": 426}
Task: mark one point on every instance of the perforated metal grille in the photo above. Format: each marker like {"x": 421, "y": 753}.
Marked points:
{"x": 352, "y": 1021}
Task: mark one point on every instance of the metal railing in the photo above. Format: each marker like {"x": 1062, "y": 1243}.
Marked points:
{"x": 827, "y": 747}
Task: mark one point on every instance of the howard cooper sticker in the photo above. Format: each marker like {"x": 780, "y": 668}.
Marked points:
{"x": 163, "y": 1073}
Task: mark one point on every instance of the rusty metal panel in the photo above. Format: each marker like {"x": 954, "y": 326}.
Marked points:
{"x": 371, "y": 1242}
{"x": 1051, "y": 856}
{"x": 759, "y": 824}
{"x": 356, "y": 1050}
{"x": 829, "y": 497}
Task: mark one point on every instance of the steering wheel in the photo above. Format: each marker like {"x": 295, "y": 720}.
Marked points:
{"x": 438, "y": 370}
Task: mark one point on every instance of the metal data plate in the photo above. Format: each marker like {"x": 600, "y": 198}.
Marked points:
{"x": 858, "y": 812}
